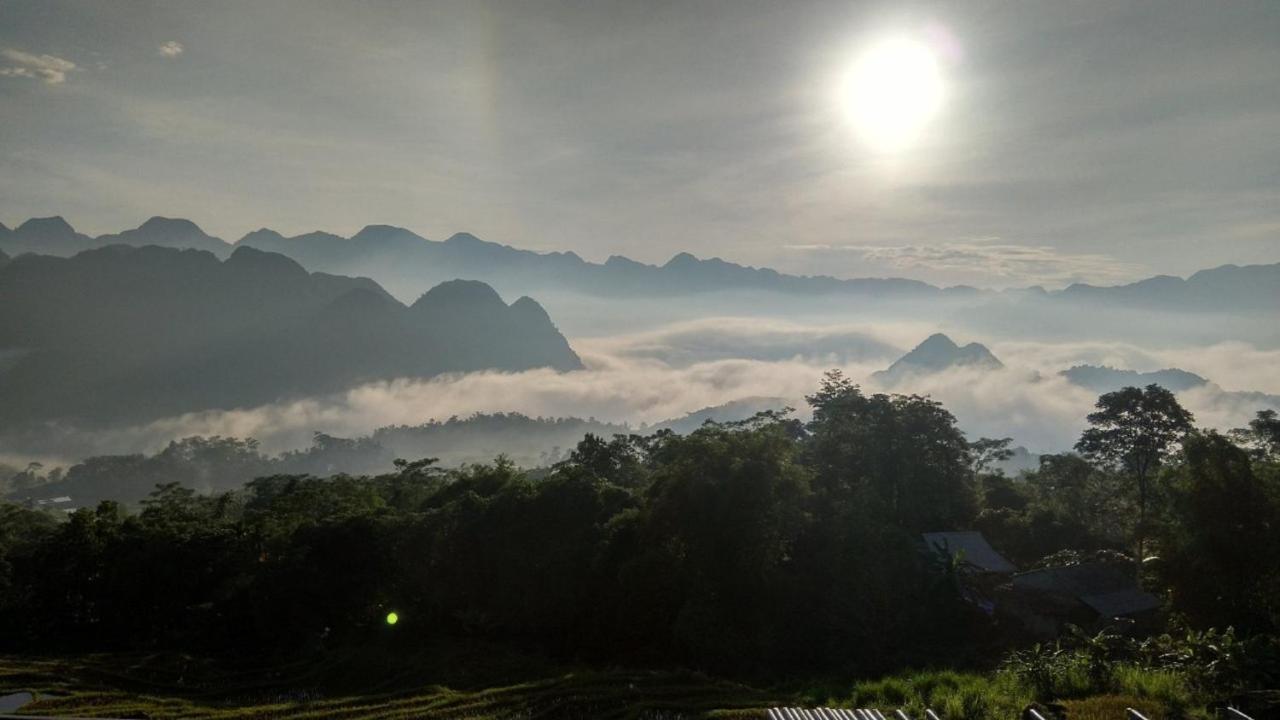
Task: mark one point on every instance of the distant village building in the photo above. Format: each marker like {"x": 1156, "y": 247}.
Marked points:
{"x": 979, "y": 568}
{"x": 972, "y": 549}
{"x": 1089, "y": 595}
{"x": 1044, "y": 601}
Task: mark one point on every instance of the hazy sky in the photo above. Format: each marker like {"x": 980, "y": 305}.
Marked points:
{"x": 1101, "y": 141}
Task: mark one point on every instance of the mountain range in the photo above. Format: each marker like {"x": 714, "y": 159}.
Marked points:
{"x": 939, "y": 353}
{"x": 128, "y": 334}
{"x": 405, "y": 263}
{"x": 1103, "y": 379}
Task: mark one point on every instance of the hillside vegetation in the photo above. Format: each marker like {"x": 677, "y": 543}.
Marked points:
{"x": 771, "y": 551}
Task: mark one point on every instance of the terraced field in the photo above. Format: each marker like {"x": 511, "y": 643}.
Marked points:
{"x": 144, "y": 687}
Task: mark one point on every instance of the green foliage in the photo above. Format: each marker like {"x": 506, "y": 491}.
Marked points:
{"x": 204, "y": 464}
{"x": 1261, "y": 436}
{"x": 1134, "y": 429}
{"x": 1133, "y": 432}
{"x": 1221, "y": 540}
{"x": 902, "y": 454}
{"x": 1217, "y": 663}
{"x": 987, "y": 452}
{"x": 768, "y": 549}
{"x": 710, "y": 549}
{"x": 952, "y": 695}
{"x": 1041, "y": 667}
{"x": 1180, "y": 672}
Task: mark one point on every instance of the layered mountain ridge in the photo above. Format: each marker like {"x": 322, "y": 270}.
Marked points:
{"x": 130, "y": 334}
{"x": 405, "y": 263}
{"x": 939, "y": 353}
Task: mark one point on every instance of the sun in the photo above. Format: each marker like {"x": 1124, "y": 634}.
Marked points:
{"x": 892, "y": 91}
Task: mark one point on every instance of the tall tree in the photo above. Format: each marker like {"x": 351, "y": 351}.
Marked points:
{"x": 1262, "y": 436}
{"x": 1220, "y": 550}
{"x": 988, "y": 453}
{"x": 1133, "y": 431}
{"x": 902, "y": 452}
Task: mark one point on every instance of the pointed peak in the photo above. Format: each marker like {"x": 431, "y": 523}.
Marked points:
{"x": 681, "y": 259}
{"x": 459, "y": 293}
{"x": 317, "y": 235}
{"x": 464, "y": 238}
{"x": 936, "y": 353}
{"x": 938, "y": 341}
{"x": 526, "y": 305}
{"x": 260, "y": 234}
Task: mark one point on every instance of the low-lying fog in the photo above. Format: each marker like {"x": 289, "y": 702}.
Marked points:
{"x": 662, "y": 373}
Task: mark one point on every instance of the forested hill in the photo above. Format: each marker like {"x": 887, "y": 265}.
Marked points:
{"x": 131, "y": 334}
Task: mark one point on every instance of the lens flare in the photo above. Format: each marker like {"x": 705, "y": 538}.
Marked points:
{"x": 393, "y": 618}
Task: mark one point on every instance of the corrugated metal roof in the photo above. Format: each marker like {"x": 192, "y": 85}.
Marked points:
{"x": 973, "y": 549}
{"x": 1121, "y": 603}
{"x": 1106, "y": 589}
{"x": 796, "y": 713}
{"x": 1083, "y": 579}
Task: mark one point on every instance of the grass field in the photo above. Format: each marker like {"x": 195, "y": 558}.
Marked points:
{"x": 176, "y": 686}
{"x": 147, "y": 687}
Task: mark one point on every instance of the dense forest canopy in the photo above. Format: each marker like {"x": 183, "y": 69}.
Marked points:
{"x": 763, "y": 548}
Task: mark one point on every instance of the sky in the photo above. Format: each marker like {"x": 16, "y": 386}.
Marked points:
{"x": 1094, "y": 141}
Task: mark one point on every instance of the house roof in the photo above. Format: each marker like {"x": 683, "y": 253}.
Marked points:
{"x": 1107, "y": 589}
{"x": 1121, "y": 602}
{"x": 972, "y": 548}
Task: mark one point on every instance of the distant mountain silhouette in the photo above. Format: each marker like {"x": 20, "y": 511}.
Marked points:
{"x": 406, "y": 263}
{"x": 731, "y": 411}
{"x": 168, "y": 232}
{"x": 55, "y": 236}
{"x": 131, "y": 334}
{"x": 1103, "y": 379}
{"x": 47, "y": 236}
{"x": 1228, "y": 288}
{"x": 937, "y": 353}
{"x": 400, "y": 259}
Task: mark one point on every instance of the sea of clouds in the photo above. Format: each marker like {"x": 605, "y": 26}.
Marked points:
{"x": 658, "y": 374}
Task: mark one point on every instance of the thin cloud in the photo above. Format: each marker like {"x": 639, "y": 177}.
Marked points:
{"x": 50, "y": 69}
{"x": 992, "y": 258}
{"x": 172, "y": 49}
{"x": 683, "y": 344}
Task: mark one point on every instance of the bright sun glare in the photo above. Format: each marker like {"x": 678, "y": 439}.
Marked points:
{"x": 892, "y": 91}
